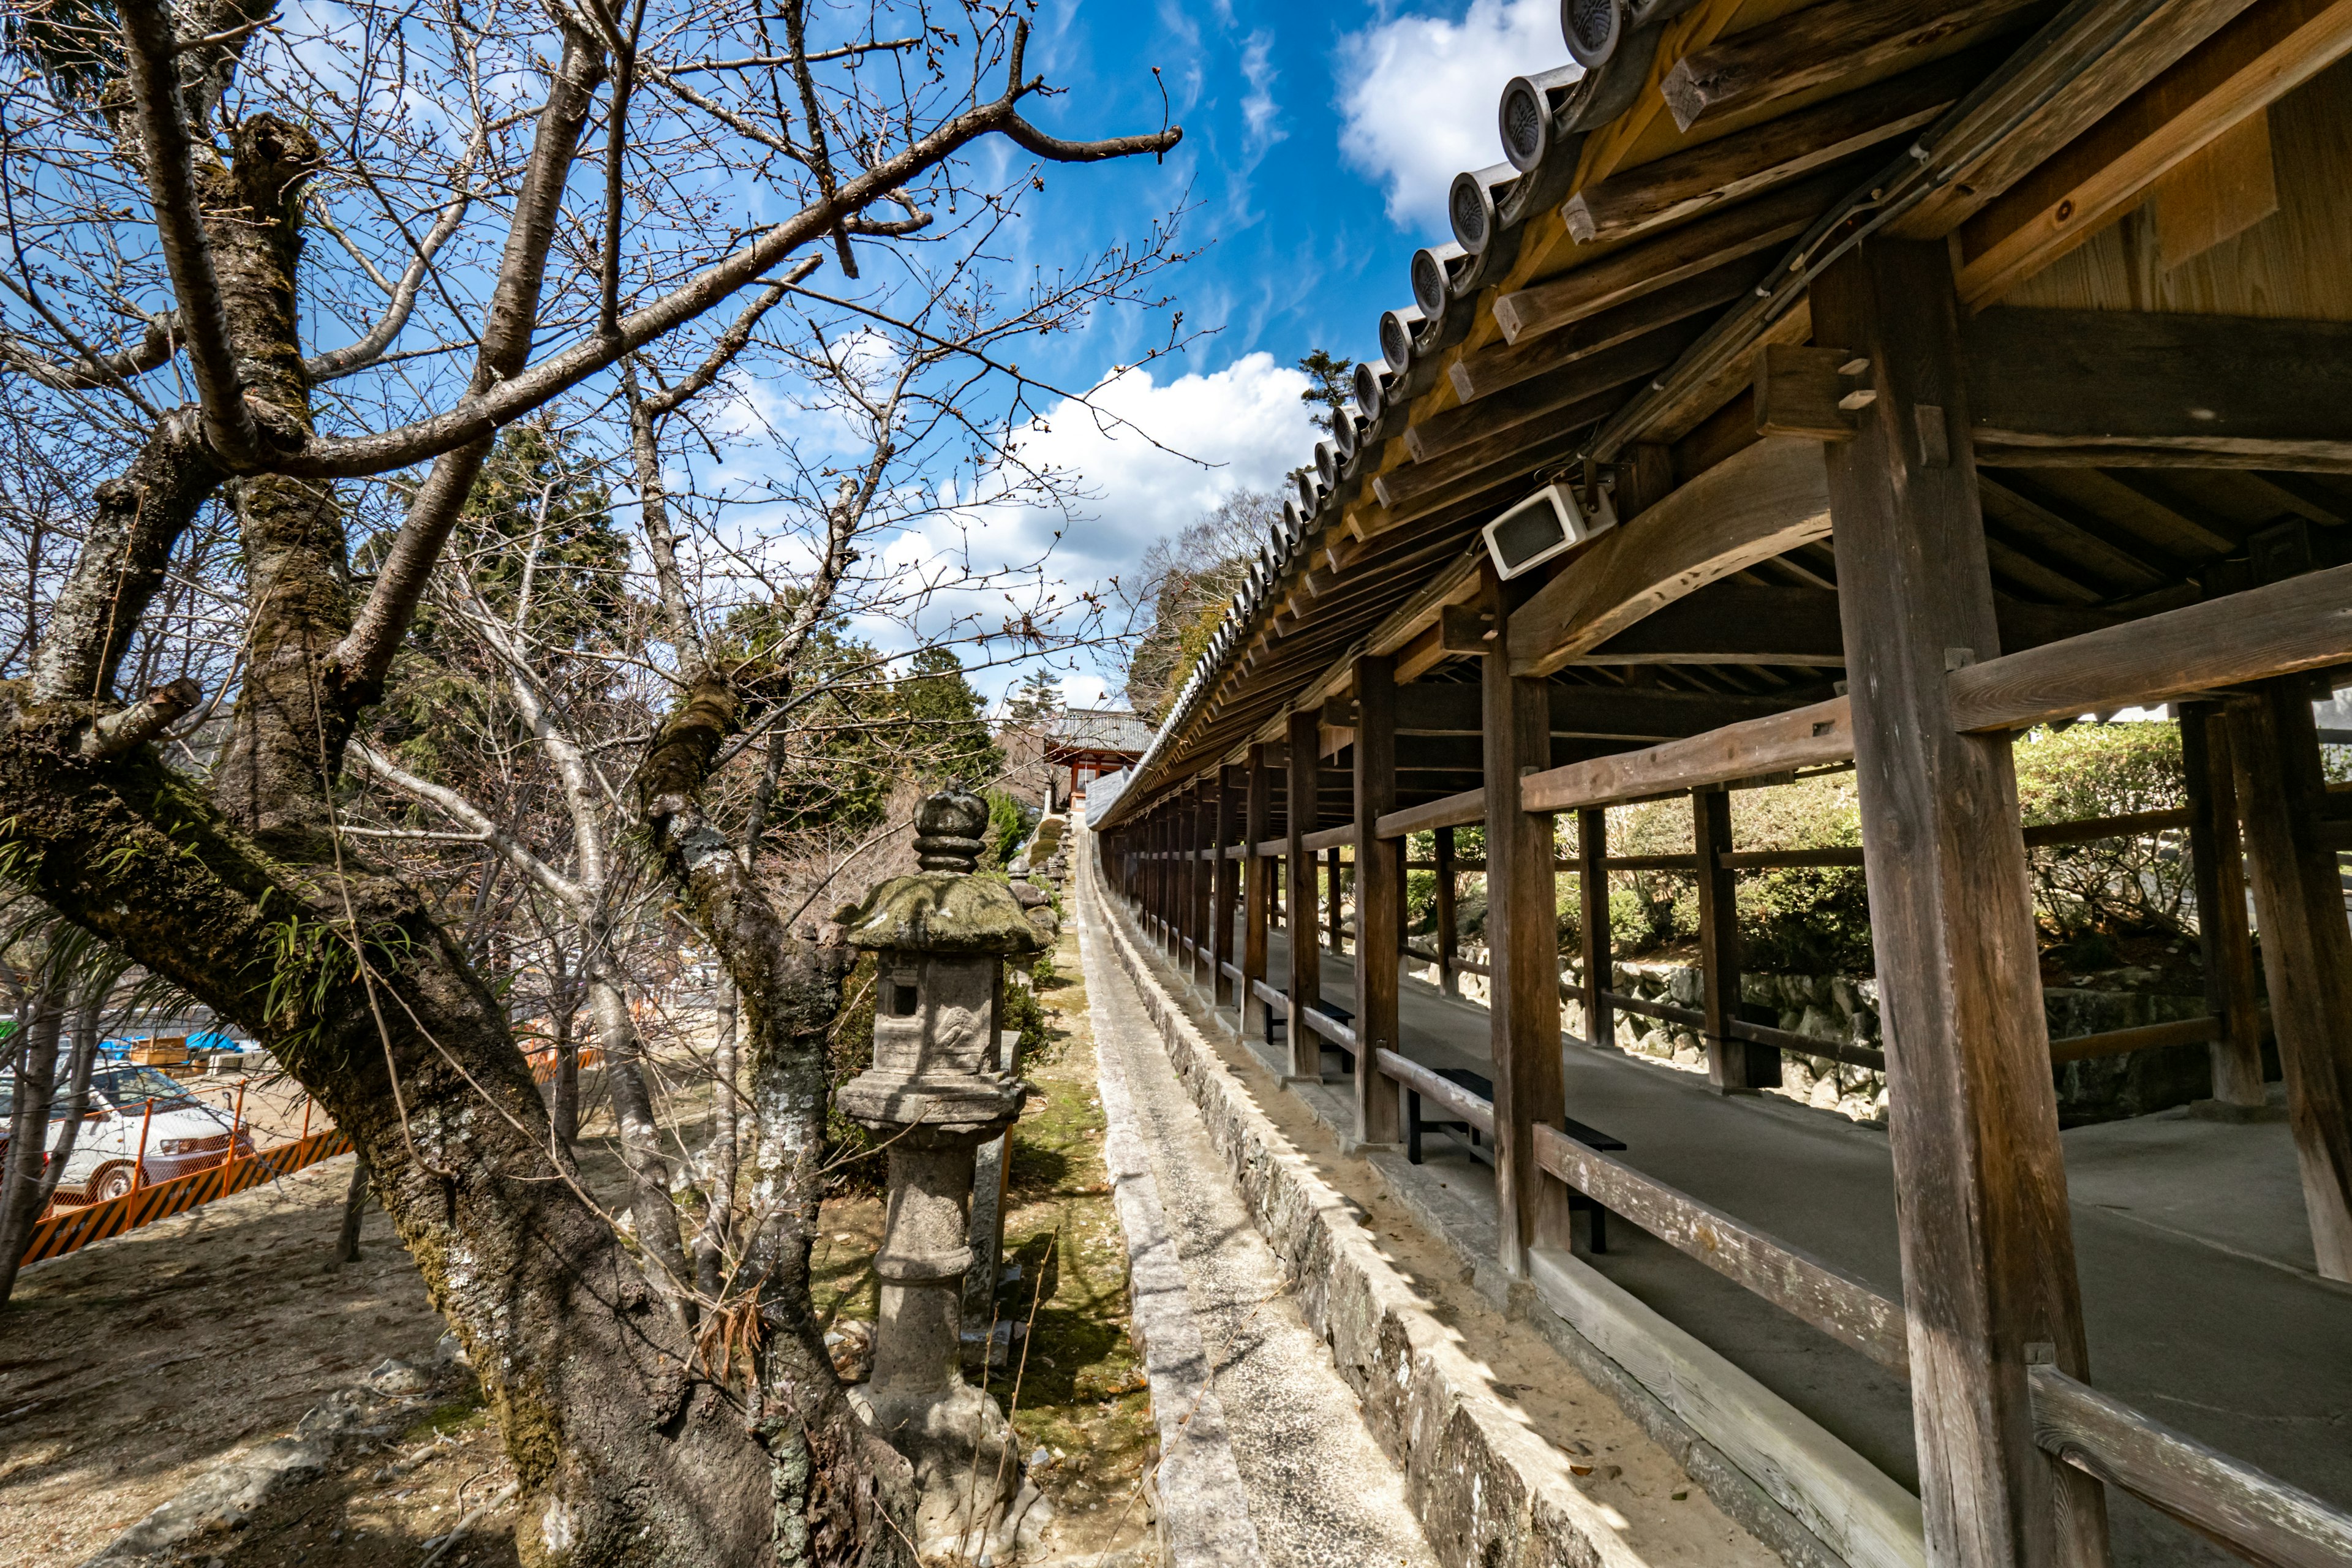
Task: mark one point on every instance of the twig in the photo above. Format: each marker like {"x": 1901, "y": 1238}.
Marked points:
{"x": 467, "y": 1522}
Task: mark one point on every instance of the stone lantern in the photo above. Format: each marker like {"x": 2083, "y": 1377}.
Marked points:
{"x": 935, "y": 1093}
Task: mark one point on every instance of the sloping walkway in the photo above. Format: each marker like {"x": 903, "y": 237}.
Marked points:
{"x": 1251, "y": 1412}
{"x": 2199, "y": 1293}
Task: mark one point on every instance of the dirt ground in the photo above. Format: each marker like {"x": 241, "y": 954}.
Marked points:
{"x": 130, "y": 1367}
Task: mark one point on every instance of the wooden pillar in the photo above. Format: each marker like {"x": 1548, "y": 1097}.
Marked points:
{"x": 1523, "y": 937}
{"x": 2306, "y": 947}
{"x": 1257, "y": 884}
{"x": 1228, "y": 870}
{"x": 1333, "y": 896}
{"x": 1989, "y": 1280}
{"x": 1449, "y": 979}
{"x": 1593, "y": 890}
{"x": 2218, "y": 866}
{"x": 1733, "y": 1067}
{"x": 1298, "y": 922}
{"x": 1379, "y": 897}
{"x": 1197, "y": 901}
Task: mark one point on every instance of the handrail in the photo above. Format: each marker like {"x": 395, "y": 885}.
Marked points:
{"x": 1328, "y": 1027}
{"x": 2228, "y": 1499}
{"x": 1232, "y": 972}
{"x": 1270, "y": 996}
{"x": 2144, "y": 1037}
{"x": 1450, "y": 811}
{"x": 1477, "y": 1111}
{"x": 1821, "y": 1293}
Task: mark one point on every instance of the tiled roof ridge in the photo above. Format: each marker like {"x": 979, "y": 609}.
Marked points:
{"x": 1544, "y": 118}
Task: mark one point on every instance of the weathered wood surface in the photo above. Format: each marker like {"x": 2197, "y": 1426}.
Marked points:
{"x": 1862, "y": 1516}
{"x": 1379, "y": 891}
{"x": 1431, "y": 709}
{"x": 1592, "y": 937}
{"x": 1299, "y": 877}
{"x": 1257, "y": 887}
{"x": 2306, "y": 948}
{"x": 1681, "y": 252}
{"x": 1441, "y": 1091}
{"x": 1803, "y": 737}
{"x": 1324, "y": 839}
{"x": 1683, "y": 185}
{"x": 1453, "y": 811}
{"x": 2270, "y": 392}
{"x": 2090, "y": 59}
{"x": 2265, "y": 53}
{"x": 1733, "y": 623}
{"x": 1524, "y": 951}
{"x": 2264, "y": 1517}
{"x": 2217, "y": 872}
{"x": 1225, "y": 894}
{"x": 2142, "y": 1037}
{"x": 1448, "y": 934}
{"x": 1839, "y": 41}
{"x": 1330, "y": 1028}
{"x": 1763, "y": 500}
{"x": 1510, "y": 383}
{"x": 1820, "y": 1293}
{"x": 1988, "y": 1244}
{"x": 1733, "y": 1065}
{"x": 2304, "y": 622}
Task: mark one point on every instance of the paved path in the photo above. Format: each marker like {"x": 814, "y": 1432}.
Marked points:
{"x": 1266, "y": 1457}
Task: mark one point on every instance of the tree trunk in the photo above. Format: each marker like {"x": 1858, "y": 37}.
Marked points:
{"x": 34, "y": 1057}
{"x": 355, "y": 1196}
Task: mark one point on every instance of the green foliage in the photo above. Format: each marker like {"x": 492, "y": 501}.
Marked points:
{"x": 1008, "y": 827}
{"x": 314, "y": 966}
{"x": 76, "y": 43}
{"x": 1186, "y": 582}
{"x": 947, "y": 722}
{"x": 1329, "y": 384}
{"x": 2112, "y": 887}
{"x": 540, "y": 519}
{"x": 850, "y": 1150}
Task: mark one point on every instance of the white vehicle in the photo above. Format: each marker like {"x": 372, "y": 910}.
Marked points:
{"x": 182, "y": 1132}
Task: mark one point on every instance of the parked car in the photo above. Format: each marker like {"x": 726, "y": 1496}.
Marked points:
{"x": 183, "y": 1132}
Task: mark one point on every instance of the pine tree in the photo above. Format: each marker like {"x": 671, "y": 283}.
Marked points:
{"x": 1332, "y": 380}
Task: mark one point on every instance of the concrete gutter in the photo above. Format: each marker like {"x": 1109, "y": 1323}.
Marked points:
{"x": 1489, "y": 1491}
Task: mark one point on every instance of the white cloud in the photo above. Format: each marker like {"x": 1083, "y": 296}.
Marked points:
{"x": 1417, "y": 97}
{"x": 1258, "y": 108}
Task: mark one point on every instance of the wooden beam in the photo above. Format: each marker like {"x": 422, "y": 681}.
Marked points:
{"x": 2261, "y": 1517}
{"x": 2217, "y": 192}
{"x": 1733, "y": 623}
{"x": 1684, "y": 252}
{"x": 1593, "y": 935}
{"x": 1610, "y": 712}
{"x": 1478, "y": 470}
{"x": 1682, "y": 186}
{"x": 1298, "y": 918}
{"x": 2250, "y": 388}
{"x": 1817, "y": 1292}
{"x": 2090, "y": 59}
{"x": 1545, "y": 372}
{"x": 1988, "y": 1248}
{"x": 2306, "y": 947}
{"x": 1524, "y": 944}
{"x": 1453, "y": 811}
{"x": 1763, "y": 500}
{"x": 1226, "y": 897}
{"x": 1379, "y": 896}
{"x": 1802, "y": 737}
{"x": 1839, "y": 41}
{"x": 2142, "y": 1037}
{"x": 2304, "y": 622}
{"x": 2217, "y": 872}
{"x": 2264, "y": 54}
{"x": 1733, "y": 1066}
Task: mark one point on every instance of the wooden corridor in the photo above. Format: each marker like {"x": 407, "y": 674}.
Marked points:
{"x": 1864, "y": 384}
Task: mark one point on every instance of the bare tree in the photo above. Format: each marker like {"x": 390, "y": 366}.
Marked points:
{"x": 479, "y": 214}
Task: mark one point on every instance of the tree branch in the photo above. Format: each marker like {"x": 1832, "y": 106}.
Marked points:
{"x": 342, "y": 362}
{"x": 169, "y": 154}
{"x": 92, "y": 371}
{"x": 476, "y": 822}
{"x": 127, "y": 728}
{"x": 481, "y": 414}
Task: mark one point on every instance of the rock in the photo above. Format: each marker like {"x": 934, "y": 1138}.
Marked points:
{"x": 1042, "y": 921}
{"x": 1031, "y": 895}
{"x": 850, "y": 1343}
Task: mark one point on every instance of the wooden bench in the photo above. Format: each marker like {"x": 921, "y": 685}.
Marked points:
{"x": 1466, "y": 1135}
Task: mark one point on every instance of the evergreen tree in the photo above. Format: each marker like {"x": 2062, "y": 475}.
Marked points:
{"x": 1332, "y": 384}
{"x": 947, "y": 722}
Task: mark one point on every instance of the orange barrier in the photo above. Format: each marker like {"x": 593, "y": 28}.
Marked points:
{"x": 70, "y": 1230}
{"x": 543, "y": 1061}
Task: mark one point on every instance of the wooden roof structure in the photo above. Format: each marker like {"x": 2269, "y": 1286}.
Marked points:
{"x": 1950, "y": 366}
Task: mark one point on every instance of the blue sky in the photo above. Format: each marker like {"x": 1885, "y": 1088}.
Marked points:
{"x": 1318, "y": 141}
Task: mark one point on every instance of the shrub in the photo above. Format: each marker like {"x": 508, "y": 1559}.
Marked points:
{"x": 2116, "y": 887}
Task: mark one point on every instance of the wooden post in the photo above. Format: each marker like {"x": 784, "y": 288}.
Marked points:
{"x": 1989, "y": 1281}
{"x": 1733, "y": 1067}
{"x": 1593, "y": 890}
{"x": 1523, "y": 948}
{"x": 1298, "y": 923}
{"x": 2218, "y": 866}
{"x": 1379, "y": 897}
{"x": 1228, "y": 870}
{"x": 1198, "y": 899}
{"x": 1257, "y": 884}
{"x": 2306, "y": 947}
{"x": 1331, "y": 895}
{"x": 1449, "y": 979}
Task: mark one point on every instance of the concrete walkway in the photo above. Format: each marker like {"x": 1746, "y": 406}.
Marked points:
{"x": 2199, "y": 1298}
{"x": 1266, "y": 1458}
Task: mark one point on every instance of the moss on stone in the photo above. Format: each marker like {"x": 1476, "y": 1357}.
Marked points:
{"x": 944, "y": 913}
